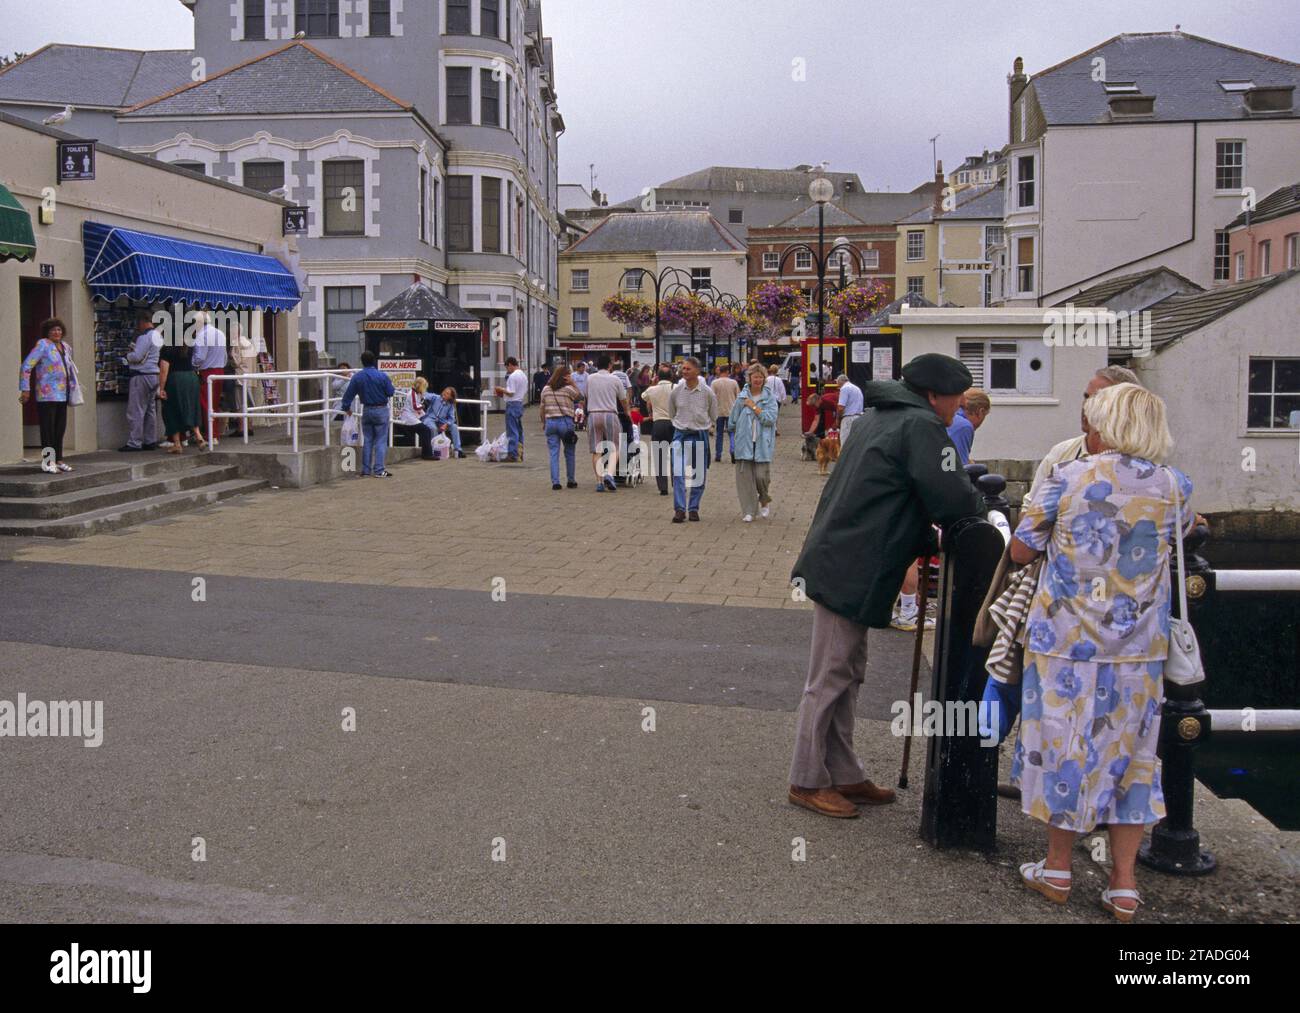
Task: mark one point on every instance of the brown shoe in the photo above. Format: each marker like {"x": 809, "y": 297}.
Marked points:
{"x": 679, "y": 517}
{"x": 824, "y": 801}
{"x": 695, "y": 515}
{"x": 866, "y": 793}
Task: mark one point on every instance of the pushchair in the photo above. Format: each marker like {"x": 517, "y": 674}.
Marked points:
{"x": 633, "y": 468}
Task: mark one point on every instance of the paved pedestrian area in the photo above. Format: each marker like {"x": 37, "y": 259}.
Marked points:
{"x": 467, "y": 525}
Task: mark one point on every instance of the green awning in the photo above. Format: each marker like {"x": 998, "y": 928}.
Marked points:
{"x": 17, "y": 241}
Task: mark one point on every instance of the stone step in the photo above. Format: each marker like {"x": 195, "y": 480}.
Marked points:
{"x": 29, "y": 480}
{"x": 58, "y": 505}
{"x": 111, "y": 518}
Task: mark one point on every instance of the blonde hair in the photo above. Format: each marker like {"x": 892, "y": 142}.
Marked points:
{"x": 757, "y": 371}
{"x": 1132, "y": 420}
{"x": 978, "y": 402}
{"x": 421, "y": 385}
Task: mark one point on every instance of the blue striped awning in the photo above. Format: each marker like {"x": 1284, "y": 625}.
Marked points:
{"x": 152, "y": 268}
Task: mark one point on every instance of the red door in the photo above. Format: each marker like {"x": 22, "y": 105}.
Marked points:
{"x": 36, "y": 305}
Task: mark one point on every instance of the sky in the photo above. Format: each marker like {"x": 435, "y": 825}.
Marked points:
{"x": 654, "y": 89}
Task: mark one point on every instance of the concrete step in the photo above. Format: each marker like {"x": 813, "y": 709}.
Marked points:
{"x": 59, "y": 505}
{"x": 111, "y": 518}
{"x": 29, "y": 480}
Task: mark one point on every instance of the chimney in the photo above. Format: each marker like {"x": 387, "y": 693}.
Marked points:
{"x": 939, "y": 186}
{"x": 595, "y": 196}
{"x": 1017, "y": 82}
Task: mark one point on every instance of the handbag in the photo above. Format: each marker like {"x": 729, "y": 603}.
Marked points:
{"x": 75, "y": 394}
{"x": 1183, "y": 666}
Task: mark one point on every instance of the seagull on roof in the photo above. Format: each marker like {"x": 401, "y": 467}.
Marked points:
{"x": 301, "y": 35}
{"x": 59, "y": 117}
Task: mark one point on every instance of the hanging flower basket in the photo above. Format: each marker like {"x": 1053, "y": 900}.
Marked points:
{"x": 633, "y": 313}
{"x": 776, "y": 302}
{"x": 679, "y": 311}
{"x": 858, "y": 302}
{"x": 718, "y": 322}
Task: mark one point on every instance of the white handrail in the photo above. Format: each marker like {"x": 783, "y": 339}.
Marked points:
{"x": 1257, "y": 580}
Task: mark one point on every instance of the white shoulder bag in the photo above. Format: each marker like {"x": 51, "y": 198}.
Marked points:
{"x": 1183, "y": 667}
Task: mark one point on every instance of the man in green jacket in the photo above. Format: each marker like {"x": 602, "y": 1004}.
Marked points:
{"x": 900, "y": 476}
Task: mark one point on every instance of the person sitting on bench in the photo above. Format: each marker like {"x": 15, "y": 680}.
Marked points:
{"x": 440, "y": 414}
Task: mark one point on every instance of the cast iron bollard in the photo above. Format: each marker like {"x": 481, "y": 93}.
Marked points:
{"x": 959, "y": 809}
{"x": 1175, "y": 845}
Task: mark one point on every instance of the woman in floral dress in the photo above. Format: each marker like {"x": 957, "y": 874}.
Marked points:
{"x": 1097, "y": 640}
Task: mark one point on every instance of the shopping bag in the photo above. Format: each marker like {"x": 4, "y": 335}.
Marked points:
{"x": 441, "y": 447}
{"x": 350, "y": 436}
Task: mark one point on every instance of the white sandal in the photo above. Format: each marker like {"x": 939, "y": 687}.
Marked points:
{"x": 1108, "y": 898}
{"x": 63, "y": 467}
{"x": 1035, "y": 875}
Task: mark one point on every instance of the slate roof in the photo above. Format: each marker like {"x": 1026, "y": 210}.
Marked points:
{"x": 884, "y": 208}
{"x": 659, "y": 231}
{"x": 94, "y": 76}
{"x": 836, "y": 218}
{"x": 1103, "y": 292}
{"x": 881, "y": 317}
{"x": 1179, "y": 315}
{"x": 297, "y": 78}
{"x": 975, "y": 203}
{"x": 1280, "y": 203}
{"x": 792, "y": 181}
{"x": 420, "y": 302}
{"x": 1182, "y": 71}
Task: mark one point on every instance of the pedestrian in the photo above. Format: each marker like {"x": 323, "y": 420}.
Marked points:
{"x": 142, "y": 389}
{"x": 375, "y": 388}
{"x": 661, "y": 428}
{"x": 515, "y": 390}
{"x": 605, "y": 393}
{"x": 50, "y": 367}
{"x": 752, "y": 423}
{"x": 826, "y": 405}
{"x": 210, "y": 354}
{"x": 579, "y": 377}
{"x": 775, "y": 384}
{"x": 440, "y": 417}
{"x": 540, "y": 378}
{"x": 694, "y": 409}
{"x": 1092, "y": 684}
{"x": 178, "y": 389}
{"x": 725, "y": 389}
{"x": 559, "y": 397}
{"x": 849, "y": 408}
{"x": 411, "y": 421}
{"x": 875, "y": 518}
{"x": 970, "y": 416}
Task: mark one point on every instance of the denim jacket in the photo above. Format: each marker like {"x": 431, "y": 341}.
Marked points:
{"x": 440, "y": 412}
{"x": 755, "y": 437}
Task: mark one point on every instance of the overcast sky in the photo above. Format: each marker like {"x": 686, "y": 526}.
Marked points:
{"x": 653, "y": 89}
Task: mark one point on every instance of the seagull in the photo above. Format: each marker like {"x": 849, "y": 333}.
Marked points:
{"x": 59, "y": 118}
{"x": 301, "y": 35}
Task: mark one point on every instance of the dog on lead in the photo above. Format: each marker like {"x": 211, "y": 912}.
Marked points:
{"x": 828, "y": 451}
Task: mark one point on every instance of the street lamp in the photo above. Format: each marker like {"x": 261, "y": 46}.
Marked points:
{"x": 666, "y": 282}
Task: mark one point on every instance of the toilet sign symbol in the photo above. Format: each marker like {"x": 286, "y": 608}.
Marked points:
{"x": 76, "y": 161}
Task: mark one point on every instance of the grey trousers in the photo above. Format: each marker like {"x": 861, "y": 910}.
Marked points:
{"x": 752, "y": 482}
{"x": 823, "y": 744}
{"x": 142, "y": 411}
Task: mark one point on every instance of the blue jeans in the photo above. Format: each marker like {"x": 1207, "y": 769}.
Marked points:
{"x": 514, "y": 427}
{"x": 374, "y": 431}
{"x": 556, "y": 430}
{"x": 690, "y": 450}
{"x": 731, "y": 447}
{"x": 453, "y": 432}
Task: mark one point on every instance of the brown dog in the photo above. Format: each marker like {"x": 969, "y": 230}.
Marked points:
{"x": 828, "y": 450}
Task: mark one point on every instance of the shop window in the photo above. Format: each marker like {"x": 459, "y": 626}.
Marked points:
{"x": 345, "y": 197}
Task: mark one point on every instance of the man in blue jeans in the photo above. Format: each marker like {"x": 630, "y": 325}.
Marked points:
{"x": 376, "y": 392}
{"x": 693, "y": 408}
{"x": 516, "y": 393}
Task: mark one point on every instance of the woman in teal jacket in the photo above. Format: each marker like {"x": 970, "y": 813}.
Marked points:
{"x": 753, "y": 421}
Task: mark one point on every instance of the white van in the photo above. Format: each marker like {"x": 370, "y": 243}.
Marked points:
{"x": 791, "y": 369}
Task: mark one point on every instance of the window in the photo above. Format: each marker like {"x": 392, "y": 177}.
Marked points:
{"x": 381, "y": 18}
{"x": 916, "y": 286}
{"x": 459, "y": 97}
{"x": 1241, "y": 267}
{"x": 344, "y": 309}
{"x": 1265, "y": 259}
{"x": 490, "y": 18}
{"x": 1009, "y": 367}
{"x": 491, "y": 214}
{"x": 581, "y": 320}
{"x": 1229, "y": 164}
{"x": 254, "y": 19}
{"x": 433, "y": 214}
{"x": 490, "y": 106}
{"x": 916, "y": 245}
{"x": 198, "y": 167}
{"x": 870, "y": 260}
{"x": 458, "y": 17}
{"x": 460, "y": 214}
{"x": 771, "y": 261}
{"x": 1025, "y": 264}
{"x": 1293, "y": 251}
{"x": 988, "y": 289}
{"x": 424, "y": 201}
{"x": 264, "y": 176}
{"x": 1222, "y": 256}
{"x": 701, "y": 277}
{"x": 319, "y": 19}
{"x": 992, "y": 239}
{"x": 803, "y": 261}
{"x": 582, "y": 281}
{"x": 345, "y": 197}
{"x": 736, "y": 216}
{"x": 1025, "y": 195}
{"x": 633, "y": 282}
{"x": 1273, "y": 394}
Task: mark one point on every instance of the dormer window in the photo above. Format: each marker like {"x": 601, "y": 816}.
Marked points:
{"x": 1132, "y": 105}
{"x": 1270, "y": 99}
{"x": 1120, "y": 87}
{"x": 1236, "y": 86}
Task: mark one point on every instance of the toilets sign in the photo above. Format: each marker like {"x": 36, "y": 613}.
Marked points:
{"x": 76, "y": 161}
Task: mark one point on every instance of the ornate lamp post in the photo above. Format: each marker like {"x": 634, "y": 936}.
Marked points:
{"x": 665, "y": 282}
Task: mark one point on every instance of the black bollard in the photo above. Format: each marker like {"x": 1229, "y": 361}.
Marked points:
{"x": 959, "y": 809}
{"x": 1175, "y": 845}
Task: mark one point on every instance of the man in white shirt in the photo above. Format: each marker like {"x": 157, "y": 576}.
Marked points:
{"x": 604, "y": 393}
{"x": 516, "y": 393}
{"x": 580, "y": 378}
{"x": 850, "y": 406}
{"x": 209, "y": 358}
{"x": 694, "y": 409}
{"x": 621, "y": 373}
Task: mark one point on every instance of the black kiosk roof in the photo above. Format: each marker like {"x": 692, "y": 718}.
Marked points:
{"x": 420, "y": 308}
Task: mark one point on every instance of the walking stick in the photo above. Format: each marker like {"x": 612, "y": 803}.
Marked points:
{"x": 922, "y": 602}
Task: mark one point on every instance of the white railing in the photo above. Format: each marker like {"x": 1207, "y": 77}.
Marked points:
{"x": 292, "y": 408}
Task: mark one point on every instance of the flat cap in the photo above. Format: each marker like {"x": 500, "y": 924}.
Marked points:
{"x": 940, "y": 373}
